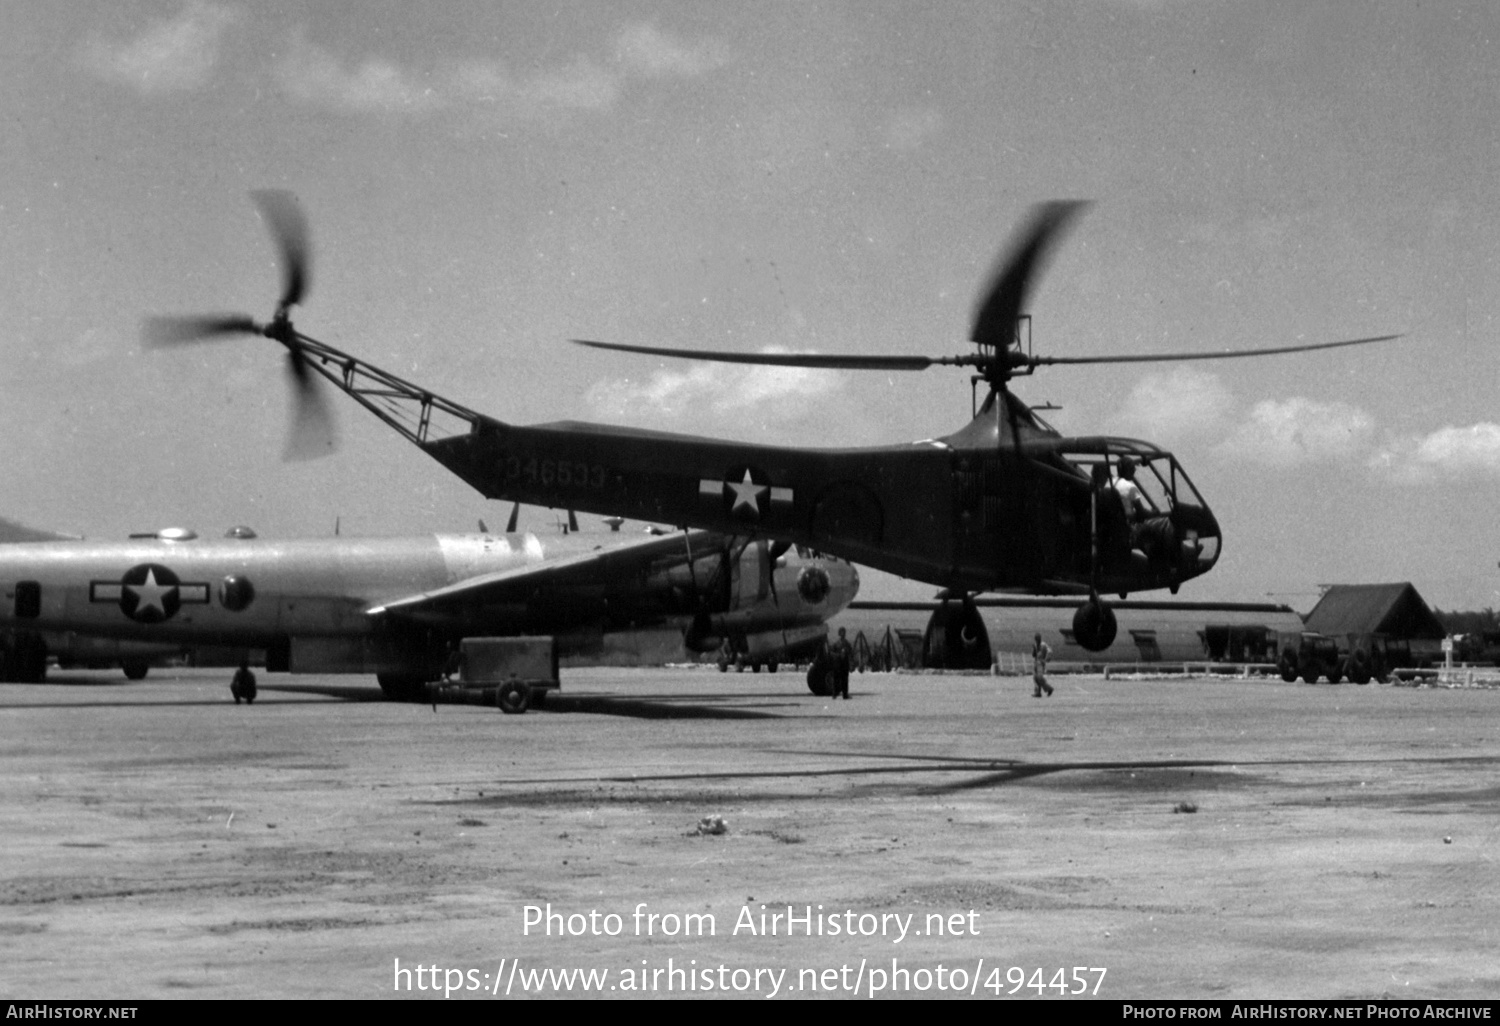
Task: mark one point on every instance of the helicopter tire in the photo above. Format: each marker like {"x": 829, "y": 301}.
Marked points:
{"x": 513, "y": 698}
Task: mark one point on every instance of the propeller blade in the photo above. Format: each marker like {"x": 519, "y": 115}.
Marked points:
{"x": 289, "y": 228}
{"x": 1225, "y": 354}
{"x": 312, "y": 433}
{"x": 170, "y": 331}
{"x": 515, "y": 517}
{"x": 1004, "y": 300}
{"x": 816, "y": 361}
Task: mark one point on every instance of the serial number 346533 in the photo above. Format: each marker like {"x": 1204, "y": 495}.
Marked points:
{"x": 562, "y": 473}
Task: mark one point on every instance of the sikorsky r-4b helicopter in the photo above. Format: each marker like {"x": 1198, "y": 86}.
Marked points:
{"x": 1004, "y": 503}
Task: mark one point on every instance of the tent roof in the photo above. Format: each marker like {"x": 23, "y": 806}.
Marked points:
{"x": 1393, "y": 609}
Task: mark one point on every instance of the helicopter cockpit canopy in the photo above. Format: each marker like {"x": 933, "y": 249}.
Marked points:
{"x": 1147, "y": 524}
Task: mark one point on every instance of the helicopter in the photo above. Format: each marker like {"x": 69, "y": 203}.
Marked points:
{"x": 1005, "y": 503}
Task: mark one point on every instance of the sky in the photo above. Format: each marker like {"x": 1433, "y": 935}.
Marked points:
{"x": 485, "y": 181}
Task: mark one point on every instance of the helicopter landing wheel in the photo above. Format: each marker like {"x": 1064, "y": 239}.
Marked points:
{"x": 1094, "y": 625}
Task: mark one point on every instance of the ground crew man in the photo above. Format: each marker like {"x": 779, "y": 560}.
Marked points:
{"x": 840, "y": 655}
{"x": 1040, "y": 653}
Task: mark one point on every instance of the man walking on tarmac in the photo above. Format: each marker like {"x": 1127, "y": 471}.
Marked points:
{"x": 1040, "y": 653}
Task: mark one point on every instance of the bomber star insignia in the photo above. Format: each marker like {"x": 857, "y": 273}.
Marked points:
{"x": 742, "y": 491}
{"x": 149, "y": 593}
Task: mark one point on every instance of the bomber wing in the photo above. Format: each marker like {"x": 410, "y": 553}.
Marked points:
{"x": 602, "y": 564}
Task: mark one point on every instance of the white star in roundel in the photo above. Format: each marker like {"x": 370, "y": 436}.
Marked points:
{"x": 150, "y": 595}
{"x": 746, "y": 493}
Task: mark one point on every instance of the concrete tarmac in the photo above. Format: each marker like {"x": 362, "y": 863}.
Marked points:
{"x": 934, "y": 836}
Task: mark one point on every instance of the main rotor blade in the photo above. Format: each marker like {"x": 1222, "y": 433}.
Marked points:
{"x": 168, "y": 331}
{"x": 1226, "y": 354}
{"x": 289, "y": 228}
{"x": 1004, "y": 300}
{"x": 813, "y": 360}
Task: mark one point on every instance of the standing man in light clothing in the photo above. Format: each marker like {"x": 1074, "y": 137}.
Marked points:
{"x": 1040, "y": 653}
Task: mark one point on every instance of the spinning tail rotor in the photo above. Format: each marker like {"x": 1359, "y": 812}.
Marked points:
{"x": 312, "y": 432}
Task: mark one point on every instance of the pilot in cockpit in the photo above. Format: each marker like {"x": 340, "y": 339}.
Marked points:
{"x": 1151, "y": 532}
{"x": 1137, "y": 509}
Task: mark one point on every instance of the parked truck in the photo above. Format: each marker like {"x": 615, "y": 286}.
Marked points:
{"x": 1359, "y": 657}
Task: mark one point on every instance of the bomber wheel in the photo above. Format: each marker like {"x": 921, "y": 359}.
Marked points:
{"x": 818, "y": 679}
{"x": 513, "y": 698}
{"x": 771, "y": 666}
{"x": 243, "y": 687}
{"x": 135, "y": 669}
{"x": 28, "y": 659}
{"x": 1288, "y": 670}
{"x": 402, "y": 687}
{"x": 1310, "y": 675}
{"x": 1334, "y": 676}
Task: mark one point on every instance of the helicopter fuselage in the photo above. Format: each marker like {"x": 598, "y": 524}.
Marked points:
{"x": 1006, "y": 503}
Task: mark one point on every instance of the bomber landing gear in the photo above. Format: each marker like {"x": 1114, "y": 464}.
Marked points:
{"x": 243, "y": 685}
{"x": 135, "y": 669}
{"x": 402, "y": 687}
{"x": 24, "y": 659}
{"x": 819, "y": 676}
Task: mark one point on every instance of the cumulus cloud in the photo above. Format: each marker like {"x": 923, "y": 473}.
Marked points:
{"x": 314, "y": 75}
{"x": 1450, "y": 453}
{"x": 651, "y": 53}
{"x": 172, "y": 55}
{"x": 1299, "y": 430}
{"x": 714, "y": 391}
{"x": 1195, "y": 407}
{"x": 1179, "y": 405}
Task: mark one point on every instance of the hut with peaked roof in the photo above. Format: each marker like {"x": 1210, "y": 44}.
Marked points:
{"x": 1395, "y": 610}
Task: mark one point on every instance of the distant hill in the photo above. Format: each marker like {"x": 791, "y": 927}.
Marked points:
{"x": 10, "y": 531}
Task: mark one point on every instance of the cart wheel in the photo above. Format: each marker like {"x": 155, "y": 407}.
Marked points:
{"x": 513, "y": 697}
